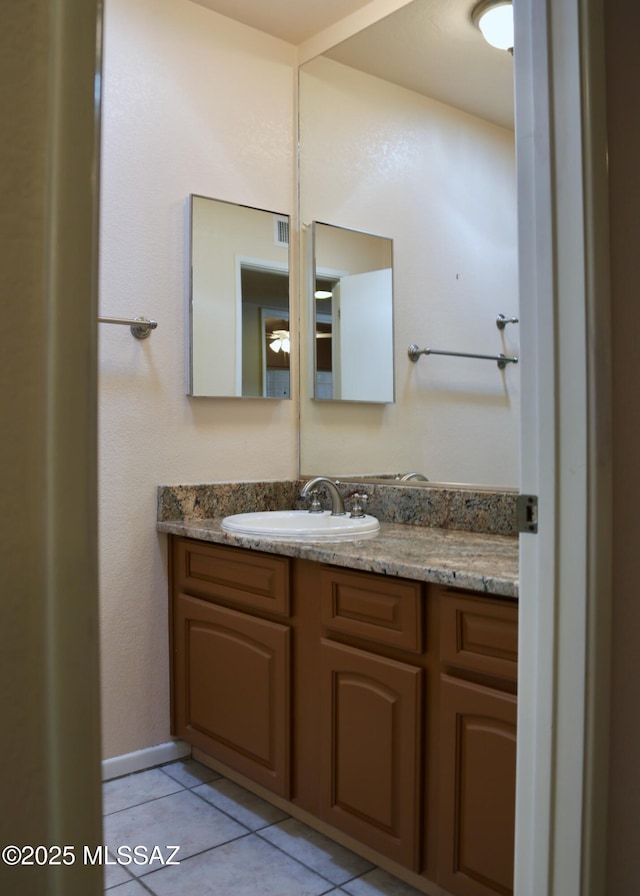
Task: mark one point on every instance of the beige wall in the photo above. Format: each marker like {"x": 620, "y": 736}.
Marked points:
{"x": 623, "y": 74}
{"x": 193, "y": 103}
{"x": 441, "y": 183}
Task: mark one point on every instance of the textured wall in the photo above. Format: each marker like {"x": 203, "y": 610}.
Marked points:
{"x": 193, "y": 103}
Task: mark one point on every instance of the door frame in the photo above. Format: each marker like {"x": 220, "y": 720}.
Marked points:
{"x": 564, "y": 620}
{"x": 565, "y": 569}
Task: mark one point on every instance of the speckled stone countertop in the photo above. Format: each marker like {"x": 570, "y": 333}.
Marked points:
{"x": 425, "y": 545}
{"x": 480, "y": 562}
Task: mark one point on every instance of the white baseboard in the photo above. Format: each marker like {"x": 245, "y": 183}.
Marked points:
{"x": 143, "y": 759}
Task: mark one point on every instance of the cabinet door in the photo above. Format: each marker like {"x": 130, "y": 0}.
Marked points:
{"x": 477, "y": 788}
{"x": 231, "y": 680}
{"x": 370, "y": 749}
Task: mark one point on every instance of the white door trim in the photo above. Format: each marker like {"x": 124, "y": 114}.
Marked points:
{"x": 564, "y": 603}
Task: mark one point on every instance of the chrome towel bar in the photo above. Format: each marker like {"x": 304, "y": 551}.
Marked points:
{"x": 501, "y": 360}
{"x": 141, "y": 327}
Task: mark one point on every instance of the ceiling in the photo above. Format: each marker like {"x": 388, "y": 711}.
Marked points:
{"x": 429, "y": 46}
{"x": 292, "y": 20}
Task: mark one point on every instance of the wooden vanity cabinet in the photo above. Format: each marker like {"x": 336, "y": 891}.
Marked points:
{"x": 382, "y": 707}
{"x": 231, "y": 669}
{"x": 477, "y": 744}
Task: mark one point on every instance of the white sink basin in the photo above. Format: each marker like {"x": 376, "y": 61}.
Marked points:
{"x": 301, "y": 525}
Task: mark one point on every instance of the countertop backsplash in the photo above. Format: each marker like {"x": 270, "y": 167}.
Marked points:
{"x": 438, "y": 506}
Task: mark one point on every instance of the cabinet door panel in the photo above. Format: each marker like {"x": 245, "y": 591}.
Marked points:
{"x": 376, "y": 608}
{"x": 479, "y": 634}
{"x": 232, "y": 689}
{"x": 370, "y": 744}
{"x": 477, "y": 788}
{"x": 248, "y": 579}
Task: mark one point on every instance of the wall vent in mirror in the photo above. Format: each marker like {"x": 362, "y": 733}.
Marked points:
{"x": 281, "y": 228}
{"x": 352, "y": 314}
{"x": 238, "y": 301}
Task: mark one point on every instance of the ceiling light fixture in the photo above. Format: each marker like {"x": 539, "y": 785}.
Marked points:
{"x": 322, "y": 294}
{"x": 494, "y": 18}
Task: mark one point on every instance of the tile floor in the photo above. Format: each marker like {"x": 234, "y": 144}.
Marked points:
{"x": 231, "y": 842}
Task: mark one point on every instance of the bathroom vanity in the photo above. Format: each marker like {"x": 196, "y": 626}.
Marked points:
{"x": 369, "y": 688}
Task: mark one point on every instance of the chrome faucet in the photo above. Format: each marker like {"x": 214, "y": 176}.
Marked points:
{"x": 337, "y": 508}
{"x": 408, "y": 476}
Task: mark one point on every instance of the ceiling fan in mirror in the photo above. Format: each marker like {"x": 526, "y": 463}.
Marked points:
{"x": 280, "y": 341}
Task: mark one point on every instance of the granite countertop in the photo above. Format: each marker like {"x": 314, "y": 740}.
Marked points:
{"x": 478, "y": 561}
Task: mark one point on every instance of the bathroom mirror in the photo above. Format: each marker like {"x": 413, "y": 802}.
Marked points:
{"x": 406, "y": 130}
{"x": 352, "y": 314}
{"x": 238, "y": 301}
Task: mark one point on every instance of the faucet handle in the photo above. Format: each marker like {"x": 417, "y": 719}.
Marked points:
{"x": 316, "y": 507}
{"x": 359, "y": 499}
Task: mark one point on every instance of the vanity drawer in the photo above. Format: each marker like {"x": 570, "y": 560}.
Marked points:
{"x": 385, "y": 610}
{"x": 243, "y": 578}
{"x": 479, "y": 634}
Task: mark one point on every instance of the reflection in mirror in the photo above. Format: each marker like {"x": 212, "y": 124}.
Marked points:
{"x": 406, "y": 129}
{"x": 353, "y": 314}
{"x": 238, "y": 301}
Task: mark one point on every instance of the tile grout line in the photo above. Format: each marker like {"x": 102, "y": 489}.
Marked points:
{"x": 196, "y": 854}
{"x": 217, "y": 777}
{"x": 126, "y": 883}
{"x": 335, "y": 886}
{"x": 218, "y": 809}
{"x": 153, "y": 799}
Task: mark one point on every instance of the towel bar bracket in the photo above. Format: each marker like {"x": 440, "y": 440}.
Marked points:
{"x": 502, "y": 321}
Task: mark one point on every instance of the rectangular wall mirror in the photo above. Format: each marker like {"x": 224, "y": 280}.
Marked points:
{"x": 238, "y": 301}
{"x": 352, "y": 314}
{"x": 406, "y": 130}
